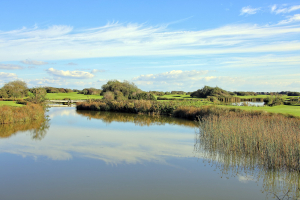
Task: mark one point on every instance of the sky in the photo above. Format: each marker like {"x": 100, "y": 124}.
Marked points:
{"x": 158, "y": 45}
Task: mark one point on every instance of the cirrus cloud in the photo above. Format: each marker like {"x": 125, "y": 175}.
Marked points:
{"x": 33, "y": 62}
{"x": 248, "y": 10}
{"x": 291, "y": 19}
{"x": 70, "y": 74}
{"x": 114, "y": 40}
{"x": 283, "y": 9}
{"x": 10, "y": 66}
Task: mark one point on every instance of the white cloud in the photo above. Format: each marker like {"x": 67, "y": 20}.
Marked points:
{"x": 33, "y": 62}
{"x": 174, "y": 75}
{"x": 115, "y": 40}
{"x": 70, "y": 74}
{"x": 47, "y": 82}
{"x": 248, "y": 10}
{"x": 291, "y": 19}
{"x": 10, "y": 66}
{"x": 274, "y": 60}
{"x": 94, "y": 71}
{"x": 71, "y": 63}
{"x": 283, "y": 9}
{"x": 4, "y": 75}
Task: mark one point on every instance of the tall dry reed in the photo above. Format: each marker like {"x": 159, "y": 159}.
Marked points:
{"x": 11, "y": 114}
{"x": 273, "y": 139}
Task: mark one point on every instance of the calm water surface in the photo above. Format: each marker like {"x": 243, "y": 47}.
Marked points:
{"x": 92, "y": 155}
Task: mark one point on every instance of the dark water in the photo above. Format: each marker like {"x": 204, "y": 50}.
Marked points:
{"x": 89, "y": 155}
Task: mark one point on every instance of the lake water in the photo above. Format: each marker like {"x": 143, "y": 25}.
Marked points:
{"x": 249, "y": 103}
{"x": 93, "y": 155}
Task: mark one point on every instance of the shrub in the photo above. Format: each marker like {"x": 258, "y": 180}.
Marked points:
{"x": 210, "y": 91}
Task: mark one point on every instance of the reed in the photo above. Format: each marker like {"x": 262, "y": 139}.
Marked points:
{"x": 273, "y": 139}
{"x": 10, "y": 114}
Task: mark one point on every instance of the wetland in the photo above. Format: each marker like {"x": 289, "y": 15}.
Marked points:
{"x": 77, "y": 154}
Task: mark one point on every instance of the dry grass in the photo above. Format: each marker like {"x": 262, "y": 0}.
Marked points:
{"x": 274, "y": 140}
{"x": 10, "y": 114}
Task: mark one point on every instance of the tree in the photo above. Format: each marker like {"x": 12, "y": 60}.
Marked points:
{"x": 38, "y": 95}
{"x": 115, "y": 86}
{"x": 16, "y": 89}
{"x": 3, "y": 93}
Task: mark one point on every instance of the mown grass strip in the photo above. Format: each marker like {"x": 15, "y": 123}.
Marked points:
{"x": 10, "y": 103}
{"x": 71, "y": 95}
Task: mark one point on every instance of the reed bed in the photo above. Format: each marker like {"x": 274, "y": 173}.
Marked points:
{"x": 10, "y": 114}
{"x": 274, "y": 140}
{"x": 139, "y": 106}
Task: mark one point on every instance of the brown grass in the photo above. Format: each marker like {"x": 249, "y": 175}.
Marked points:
{"x": 10, "y": 114}
{"x": 274, "y": 140}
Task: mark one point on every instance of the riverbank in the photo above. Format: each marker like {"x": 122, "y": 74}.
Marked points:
{"x": 182, "y": 109}
{"x": 10, "y": 103}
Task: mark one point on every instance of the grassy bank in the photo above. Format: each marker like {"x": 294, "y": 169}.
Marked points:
{"x": 10, "y": 103}
{"x": 12, "y": 114}
{"x": 181, "y": 109}
{"x": 71, "y": 95}
{"x": 283, "y": 109}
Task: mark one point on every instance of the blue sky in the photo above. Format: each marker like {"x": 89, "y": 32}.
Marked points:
{"x": 158, "y": 45}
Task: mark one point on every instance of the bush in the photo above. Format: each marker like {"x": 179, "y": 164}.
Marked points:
{"x": 210, "y": 91}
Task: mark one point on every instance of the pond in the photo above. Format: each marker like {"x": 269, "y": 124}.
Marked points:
{"x": 249, "y": 103}
{"x": 101, "y": 155}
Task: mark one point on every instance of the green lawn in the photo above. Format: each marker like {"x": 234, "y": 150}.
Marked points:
{"x": 71, "y": 95}
{"x": 285, "y": 109}
{"x": 10, "y": 103}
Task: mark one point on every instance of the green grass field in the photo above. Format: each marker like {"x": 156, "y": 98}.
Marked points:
{"x": 10, "y": 103}
{"x": 71, "y": 95}
{"x": 284, "y": 109}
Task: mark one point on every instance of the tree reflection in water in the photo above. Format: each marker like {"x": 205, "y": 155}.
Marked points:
{"x": 247, "y": 167}
{"x": 140, "y": 120}
{"x": 37, "y": 128}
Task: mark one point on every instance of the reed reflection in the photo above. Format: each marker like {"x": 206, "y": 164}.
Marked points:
{"x": 37, "y": 128}
{"x": 139, "y": 120}
{"x": 247, "y": 167}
